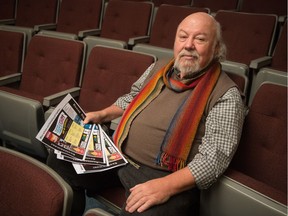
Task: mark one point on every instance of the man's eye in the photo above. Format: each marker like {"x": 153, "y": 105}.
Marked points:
{"x": 200, "y": 39}
{"x": 182, "y": 37}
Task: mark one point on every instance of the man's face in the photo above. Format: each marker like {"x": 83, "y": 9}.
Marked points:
{"x": 194, "y": 44}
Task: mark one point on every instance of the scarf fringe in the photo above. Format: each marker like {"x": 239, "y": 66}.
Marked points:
{"x": 172, "y": 163}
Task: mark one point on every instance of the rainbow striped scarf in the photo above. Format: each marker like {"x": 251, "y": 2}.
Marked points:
{"x": 180, "y": 134}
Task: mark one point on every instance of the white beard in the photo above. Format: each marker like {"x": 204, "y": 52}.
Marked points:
{"x": 187, "y": 67}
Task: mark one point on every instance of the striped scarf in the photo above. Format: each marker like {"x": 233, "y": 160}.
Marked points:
{"x": 180, "y": 134}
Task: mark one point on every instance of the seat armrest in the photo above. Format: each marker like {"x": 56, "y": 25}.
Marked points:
{"x": 12, "y": 78}
{"x": 48, "y": 26}
{"x": 282, "y": 18}
{"x": 267, "y": 75}
{"x": 89, "y": 32}
{"x": 158, "y": 52}
{"x": 97, "y": 211}
{"x": 230, "y": 197}
{"x": 28, "y": 31}
{"x": 235, "y": 67}
{"x": 140, "y": 39}
{"x": 54, "y": 99}
{"x": 59, "y": 34}
{"x": 94, "y": 40}
{"x": 260, "y": 62}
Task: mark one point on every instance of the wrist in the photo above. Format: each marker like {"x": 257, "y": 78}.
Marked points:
{"x": 102, "y": 116}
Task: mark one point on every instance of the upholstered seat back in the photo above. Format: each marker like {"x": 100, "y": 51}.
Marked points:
{"x": 35, "y": 12}
{"x": 11, "y": 52}
{"x": 268, "y": 6}
{"x": 109, "y": 74}
{"x": 262, "y": 152}
{"x": 249, "y": 41}
{"x": 165, "y": 25}
{"x": 126, "y": 19}
{"x": 29, "y": 187}
{"x": 51, "y": 65}
{"x": 75, "y": 15}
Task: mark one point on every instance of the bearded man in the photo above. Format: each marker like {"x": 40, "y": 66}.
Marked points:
{"x": 180, "y": 128}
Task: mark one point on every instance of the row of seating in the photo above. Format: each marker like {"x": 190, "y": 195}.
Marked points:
{"x": 66, "y": 15}
{"x": 250, "y": 6}
{"x": 54, "y": 67}
{"x": 9, "y": 9}
{"x": 153, "y": 32}
{"x": 56, "y": 64}
{"x": 261, "y": 189}
{"x": 239, "y": 73}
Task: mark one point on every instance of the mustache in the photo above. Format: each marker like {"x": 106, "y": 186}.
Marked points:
{"x": 192, "y": 53}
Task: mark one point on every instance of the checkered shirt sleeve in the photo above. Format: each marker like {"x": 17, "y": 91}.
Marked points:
{"x": 126, "y": 99}
{"x": 223, "y": 130}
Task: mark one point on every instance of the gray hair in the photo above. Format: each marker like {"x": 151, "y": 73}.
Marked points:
{"x": 221, "y": 52}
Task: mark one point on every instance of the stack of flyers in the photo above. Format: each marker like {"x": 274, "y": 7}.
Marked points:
{"x": 86, "y": 146}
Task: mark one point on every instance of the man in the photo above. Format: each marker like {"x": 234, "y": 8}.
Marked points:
{"x": 180, "y": 125}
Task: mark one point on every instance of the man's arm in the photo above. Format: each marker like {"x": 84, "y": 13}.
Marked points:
{"x": 223, "y": 129}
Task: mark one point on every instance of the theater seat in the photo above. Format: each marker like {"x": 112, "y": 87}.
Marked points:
{"x": 161, "y": 40}
{"x": 30, "y": 14}
{"x": 109, "y": 74}
{"x": 275, "y": 67}
{"x": 29, "y": 187}
{"x": 266, "y": 7}
{"x": 256, "y": 180}
{"x": 123, "y": 21}
{"x": 246, "y": 43}
{"x": 52, "y": 68}
{"x": 77, "y": 19}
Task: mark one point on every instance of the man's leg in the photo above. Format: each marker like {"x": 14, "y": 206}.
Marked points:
{"x": 185, "y": 203}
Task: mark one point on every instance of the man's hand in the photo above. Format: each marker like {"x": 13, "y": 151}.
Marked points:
{"x": 158, "y": 191}
{"x": 94, "y": 117}
{"x": 148, "y": 194}
{"x": 104, "y": 115}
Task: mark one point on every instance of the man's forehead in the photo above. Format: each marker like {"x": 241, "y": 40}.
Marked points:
{"x": 194, "y": 24}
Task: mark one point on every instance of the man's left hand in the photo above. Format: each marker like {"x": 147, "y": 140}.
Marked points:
{"x": 143, "y": 196}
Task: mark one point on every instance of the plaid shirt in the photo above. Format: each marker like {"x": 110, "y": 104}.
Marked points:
{"x": 221, "y": 137}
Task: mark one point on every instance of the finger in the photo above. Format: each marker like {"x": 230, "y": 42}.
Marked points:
{"x": 135, "y": 206}
{"x": 135, "y": 187}
{"x": 133, "y": 191}
{"x": 146, "y": 205}
{"x": 132, "y": 198}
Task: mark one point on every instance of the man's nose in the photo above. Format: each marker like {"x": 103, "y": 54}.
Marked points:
{"x": 189, "y": 45}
